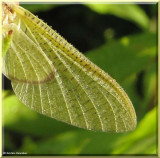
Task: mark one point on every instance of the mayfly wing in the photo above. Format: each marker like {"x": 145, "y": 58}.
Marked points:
{"x": 24, "y": 60}
{"x": 79, "y": 100}
{"x": 80, "y": 94}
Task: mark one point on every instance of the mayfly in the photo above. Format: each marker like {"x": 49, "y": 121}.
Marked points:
{"x": 53, "y": 78}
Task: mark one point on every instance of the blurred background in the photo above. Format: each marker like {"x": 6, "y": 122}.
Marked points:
{"x": 122, "y": 40}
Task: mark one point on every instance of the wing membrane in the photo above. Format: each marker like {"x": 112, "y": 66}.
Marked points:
{"x": 80, "y": 94}
{"x": 25, "y": 61}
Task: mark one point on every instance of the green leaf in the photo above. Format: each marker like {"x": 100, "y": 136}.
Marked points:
{"x": 38, "y": 7}
{"x": 130, "y": 12}
{"x": 8, "y": 141}
{"x": 150, "y": 83}
{"x": 142, "y": 141}
{"x": 126, "y": 56}
{"x": 125, "y": 59}
{"x": 21, "y": 119}
{"x": 66, "y": 143}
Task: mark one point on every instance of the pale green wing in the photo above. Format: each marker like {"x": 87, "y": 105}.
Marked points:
{"x": 81, "y": 94}
{"x": 25, "y": 61}
{"x": 75, "y": 98}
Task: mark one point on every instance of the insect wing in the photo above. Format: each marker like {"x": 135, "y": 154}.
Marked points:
{"x": 25, "y": 61}
{"x": 80, "y": 94}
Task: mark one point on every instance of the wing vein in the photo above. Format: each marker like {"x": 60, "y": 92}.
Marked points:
{"x": 32, "y": 98}
{"x": 59, "y": 81}
{"x": 49, "y": 101}
{"x": 14, "y": 50}
{"x": 110, "y": 106}
{"x": 29, "y": 61}
{"x": 69, "y": 70}
{"x": 87, "y": 125}
{"x": 40, "y": 94}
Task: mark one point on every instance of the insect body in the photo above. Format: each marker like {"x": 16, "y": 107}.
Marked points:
{"x": 52, "y": 77}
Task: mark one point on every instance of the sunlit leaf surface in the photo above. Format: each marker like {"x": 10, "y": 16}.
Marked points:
{"x": 130, "y": 12}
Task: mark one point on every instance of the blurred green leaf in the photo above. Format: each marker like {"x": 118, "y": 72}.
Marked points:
{"x": 130, "y": 12}
{"x": 72, "y": 142}
{"x": 124, "y": 60}
{"x": 126, "y": 56}
{"x": 150, "y": 83}
{"x": 38, "y": 7}
{"x": 143, "y": 140}
{"x": 19, "y": 118}
{"x": 88, "y": 142}
{"x": 61, "y": 144}
{"x": 5, "y": 93}
{"x": 8, "y": 141}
